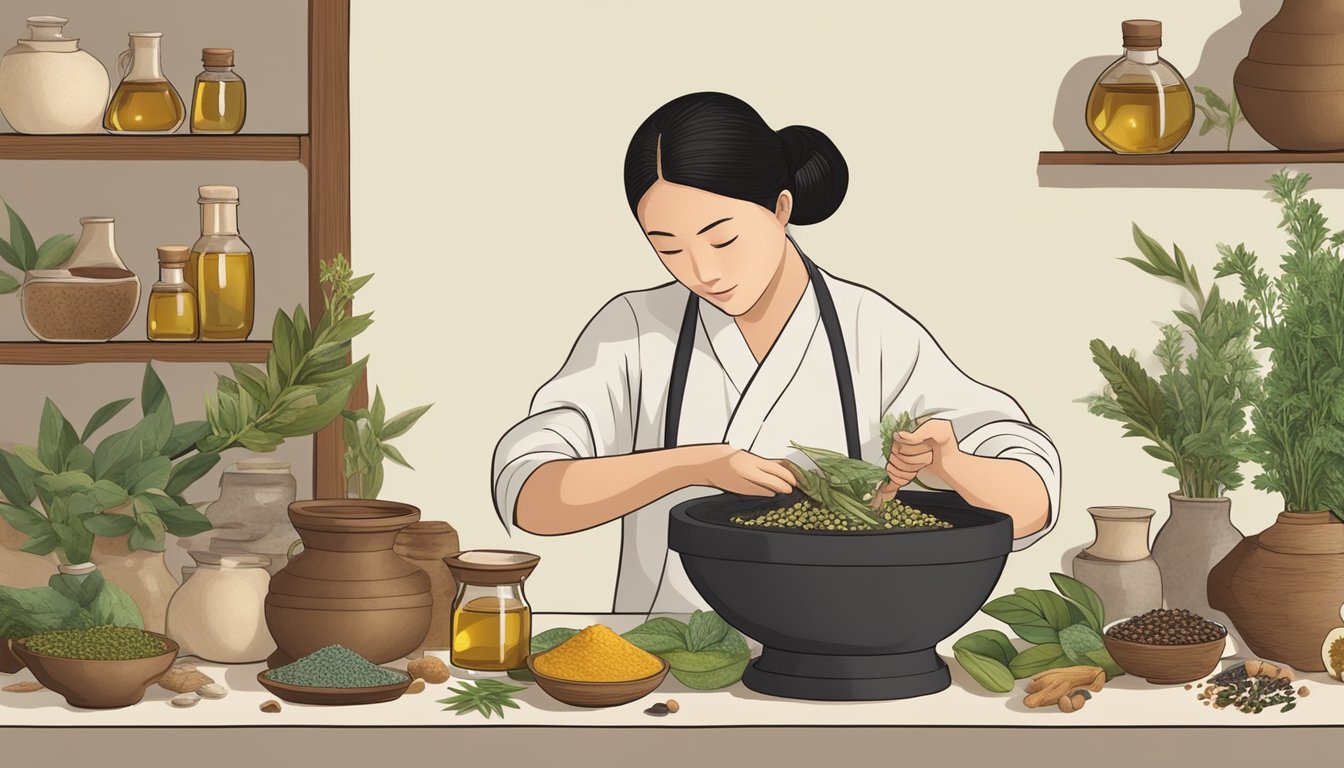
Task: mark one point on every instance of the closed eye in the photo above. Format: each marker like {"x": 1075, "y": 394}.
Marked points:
{"x": 725, "y": 245}
{"x": 670, "y": 253}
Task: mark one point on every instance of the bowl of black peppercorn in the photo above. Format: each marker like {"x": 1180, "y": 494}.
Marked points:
{"x": 1166, "y": 646}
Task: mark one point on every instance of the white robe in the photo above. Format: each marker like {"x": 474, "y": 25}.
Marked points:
{"x": 610, "y": 398}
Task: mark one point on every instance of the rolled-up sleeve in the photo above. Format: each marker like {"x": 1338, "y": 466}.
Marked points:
{"x": 587, "y": 410}
{"x": 919, "y": 378}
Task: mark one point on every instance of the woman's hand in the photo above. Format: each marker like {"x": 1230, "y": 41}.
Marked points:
{"x": 929, "y": 447}
{"x": 736, "y": 471}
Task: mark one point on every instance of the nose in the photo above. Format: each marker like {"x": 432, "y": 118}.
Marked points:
{"x": 706, "y": 269}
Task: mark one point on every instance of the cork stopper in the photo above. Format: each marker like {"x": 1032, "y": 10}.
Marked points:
{"x": 174, "y": 255}
{"x": 217, "y": 58}
{"x": 1142, "y": 34}
{"x": 218, "y": 193}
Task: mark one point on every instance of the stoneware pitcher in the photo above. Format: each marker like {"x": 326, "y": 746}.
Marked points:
{"x": 49, "y": 85}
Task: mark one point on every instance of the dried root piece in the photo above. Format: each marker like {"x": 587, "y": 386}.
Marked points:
{"x": 1047, "y": 688}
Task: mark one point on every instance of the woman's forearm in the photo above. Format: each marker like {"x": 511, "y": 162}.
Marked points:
{"x": 1003, "y": 485}
{"x": 565, "y": 496}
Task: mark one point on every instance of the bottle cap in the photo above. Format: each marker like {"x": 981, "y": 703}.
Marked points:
{"x": 218, "y": 193}
{"x": 1142, "y": 34}
{"x": 174, "y": 255}
{"x": 217, "y": 57}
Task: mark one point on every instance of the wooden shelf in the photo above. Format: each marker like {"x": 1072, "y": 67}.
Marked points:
{"x": 46, "y": 353}
{"x": 1236, "y": 157}
{"x": 177, "y": 147}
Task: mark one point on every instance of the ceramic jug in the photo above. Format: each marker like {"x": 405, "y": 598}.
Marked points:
{"x": 426, "y": 544}
{"x": 219, "y": 613}
{"x": 49, "y": 85}
{"x": 1291, "y": 84}
{"x": 1118, "y": 566}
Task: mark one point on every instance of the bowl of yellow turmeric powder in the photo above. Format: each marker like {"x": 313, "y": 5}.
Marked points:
{"x": 597, "y": 668}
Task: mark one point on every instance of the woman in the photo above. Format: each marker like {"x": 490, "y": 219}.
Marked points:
{"x": 683, "y": 390}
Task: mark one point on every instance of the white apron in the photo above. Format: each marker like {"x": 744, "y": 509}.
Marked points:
{"x": 612, "y": 395}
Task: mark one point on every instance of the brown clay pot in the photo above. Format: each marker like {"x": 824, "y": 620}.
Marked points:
{"x": 143, "y": 574}
{"x": 348, "y": 587}
{"x": 1283, "y": 587}
{"x": 1291, "y": 84}
{"x": 425, "y": 544}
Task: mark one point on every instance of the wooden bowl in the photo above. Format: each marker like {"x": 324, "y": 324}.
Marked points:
{"x": 301, "y": 694}
{"x": 1166, "y": 664}
{"x": 589, "y": 694}
{"x": 98, "y": 684}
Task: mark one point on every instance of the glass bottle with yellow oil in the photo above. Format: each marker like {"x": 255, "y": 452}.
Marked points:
{"x": 172, "y": 313}
{"x": 1140, "y": 104}
{"x": 144, "y": 102}
{"x": 221, "y": 268}
{"x": 219, "y": 103}
{"x": 492, "y": 621}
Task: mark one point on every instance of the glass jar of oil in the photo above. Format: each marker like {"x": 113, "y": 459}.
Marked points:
{"x": 492, "y": 621}
{"x": 172, "y": 313}
{"x": 145, "y": 102}
{"x": 221, "y": 268}
{"x": 219, "y": 102}
{"x": 1140, "y": 104}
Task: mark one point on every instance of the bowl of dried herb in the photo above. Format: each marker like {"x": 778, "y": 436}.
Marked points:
{"x": 334, "y": 675}
{"x": 103, "y": 667}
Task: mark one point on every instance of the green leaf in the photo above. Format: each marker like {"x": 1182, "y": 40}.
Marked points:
{"x": 108, "y": 494}
{"x": 1051, "y": 606}
{"x": 25, "y": 612}
{"x": 153, "y": 394}
{"x": 114, "y": 606}
{"x": 21, "y": 240}
{"x": 378, "y": 413}
{"x": 712, "y": 679}
{"x": 151, "y": 474}
{"x": 1034, "y": 661}
{"x": 391, "y": 452}
{"x": 16, "y": 480}
{"x": 80, "y": 459}
{"x": 184, "y": 436}
{"x": 55, "y": 437}
{"x": 55, "y": 251}
{"x": 660, "y": 635}
{"x": 547, "y": 640}
{"x": 250, "y": 379}
{"x": 8, "y": 283}
{"x": 1078, "y": 641}
{"x": 401, "y": 423}
{"x": 188, "y": 471}
{"x": 705, "y": 628}
{"x": 24, "y": 520}
{"x": 102, "y": 416}
{"x": 989, "y": 672}
{"x": 65, "y": 483}
{"x": 1102, "y": 658}
{"x": 1206, "y": 126}
{"x": 41, "y": 545}
{"x": 988, "y": 642}
{"x": 1025, "y": 617}
{"x": 8, "y": 253}
{"x": 30, "y": 457}
{"x": 109, "y": 526}
{"x": 700, "y": 661}
{"x": 185, "y": 521}
{"x": 1213, "y": 99}
{"x": 1088, "y": 601}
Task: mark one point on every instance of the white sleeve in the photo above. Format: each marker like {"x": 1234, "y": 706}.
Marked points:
{"x": 587, "y": 410}
{"x": 918, "y": 377}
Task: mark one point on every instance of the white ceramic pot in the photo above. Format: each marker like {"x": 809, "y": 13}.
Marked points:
{"x": 219, "y": 614}
{"x": 49, "y": 85}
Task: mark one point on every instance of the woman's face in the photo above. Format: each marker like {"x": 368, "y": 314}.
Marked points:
{"x": 725, "y": 250}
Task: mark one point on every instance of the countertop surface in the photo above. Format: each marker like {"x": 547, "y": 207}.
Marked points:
{"x": 1126, "y": 701}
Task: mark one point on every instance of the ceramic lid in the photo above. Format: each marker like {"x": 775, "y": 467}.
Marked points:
{"x": 260, "y": 466}
{"x": 229, "y": 561}
{"x": 491, "y": 567}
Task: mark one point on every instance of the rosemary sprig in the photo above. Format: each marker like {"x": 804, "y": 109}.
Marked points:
{"x": 484, "y": 696}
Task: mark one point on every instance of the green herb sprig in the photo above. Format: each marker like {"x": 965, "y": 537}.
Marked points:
{"x": 368, "y": 435}
{"x": 22, "y": 252}
{"x": 1218, "y": 113}
{"x": 484, "y": 696}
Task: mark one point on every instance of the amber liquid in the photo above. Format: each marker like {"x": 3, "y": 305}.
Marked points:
{"x": 218, "y": 107}
{"x": 144, "y": 106}
{"x": 224, "y": 287}
{"x": 491, "y": 634}
{"x": 172, "y": 316}
{"x": 1136, "y": 118}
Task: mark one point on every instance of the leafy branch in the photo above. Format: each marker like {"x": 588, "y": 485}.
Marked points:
{"x": 1218, "y": 113}
{"x": 368, "y": 433}
{"x": 22, "y": 252}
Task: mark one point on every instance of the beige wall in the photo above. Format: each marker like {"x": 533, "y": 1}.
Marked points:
{"x": 487, "y": 198}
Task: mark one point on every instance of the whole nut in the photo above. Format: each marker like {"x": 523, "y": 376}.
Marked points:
{"x": 417, "y": 685}
{"x": 430, "y": 668}
{"x": 673, "y": 706}
{"x": 271, "y": 707}
{"x": 186, "y": 700}
{"x": 212, "y": 691}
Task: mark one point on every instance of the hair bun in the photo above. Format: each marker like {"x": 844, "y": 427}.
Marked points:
{"x": 819, "y": 174}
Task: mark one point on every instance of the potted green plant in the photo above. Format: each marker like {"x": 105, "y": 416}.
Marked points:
{"x": 1192, "y": 413}
{"x": 1283, "y": 587}
{"x": 23, "y": 253}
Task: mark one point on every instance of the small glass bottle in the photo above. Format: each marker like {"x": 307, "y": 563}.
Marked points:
{"x": 1140, "y": 104}
{"x": 492, "y": 622}
{"x": 144, "y": 102}
{"x": 219, "y": 104}
{"x": 172, "y": 313}
{"x": 221, "y": 268}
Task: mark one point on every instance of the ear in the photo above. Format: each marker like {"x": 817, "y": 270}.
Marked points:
{"x": 784, "y": 207}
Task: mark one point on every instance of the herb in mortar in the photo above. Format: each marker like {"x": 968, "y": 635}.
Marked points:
{"x": 807, "y": 516}
{"x": 102, "y": 643}
{"x": 335, "y": 667}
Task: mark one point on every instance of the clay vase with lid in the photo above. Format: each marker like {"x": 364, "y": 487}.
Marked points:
{"x": 1283, "y": 587}
{"x": 426, "y": 544}
{"x": 48, "y": 84}
{"x": 348, "y": 586}
{"x": 1291, "y": 84}
{"x": 1117, "y": 566}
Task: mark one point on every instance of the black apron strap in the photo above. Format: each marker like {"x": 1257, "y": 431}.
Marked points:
{"x": 830, "y": 320}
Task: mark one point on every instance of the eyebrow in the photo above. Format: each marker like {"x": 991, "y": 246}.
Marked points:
{"x": 657, "y": 233}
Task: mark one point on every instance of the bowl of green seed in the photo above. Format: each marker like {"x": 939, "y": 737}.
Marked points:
{"x": 335, "y": 675}
{"x": 102, "y": 667}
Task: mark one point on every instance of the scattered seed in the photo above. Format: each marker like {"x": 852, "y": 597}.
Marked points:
{"x": 186, "y": 700}
{"x": 1304, "y": 691}
{"x": 417, "y": 685}
{"x": 271, "y": 707}
{"x": 672, "y": 706}
{"x": 23, "y": 687}
{"x": 1188, "y": 686}
{"x": 657, "y": 710}
{"x": 212, "y": 691}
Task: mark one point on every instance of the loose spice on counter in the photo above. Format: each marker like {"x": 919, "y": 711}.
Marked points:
{"x": 597, "y": 654}
{"x": 335, "y": 667}
{"x": 102, "y": 643}
{"x": 1165, "y": 626}
{"x": 1265, "y": 685}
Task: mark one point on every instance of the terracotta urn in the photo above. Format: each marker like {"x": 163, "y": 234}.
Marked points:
{"x": 1291, "y": 84}
{"x": 426, "y": 544}
{"x": 1283, "y": 587}
{"x": 348, "y": 586}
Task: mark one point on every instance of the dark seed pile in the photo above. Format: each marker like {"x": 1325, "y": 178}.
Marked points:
{"x": 1167, "y": 627}
{"x": 807, "y": 516}
{"x": 1250, "y": 695}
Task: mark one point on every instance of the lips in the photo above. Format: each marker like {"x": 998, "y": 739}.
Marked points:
{"x": 720, "y": 294}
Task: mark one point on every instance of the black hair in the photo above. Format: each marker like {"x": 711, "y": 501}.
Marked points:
{"x": 718, "y": 143}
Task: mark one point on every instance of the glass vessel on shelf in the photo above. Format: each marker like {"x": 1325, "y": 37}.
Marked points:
{"x": 144, "y": 102}
{"x": 220, "y": 270}
{"x": 1140, "y": 104}
{"x": 219, "y": 103}
{"x": 492, "y": 621}
{"x": 172, "y": 313}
